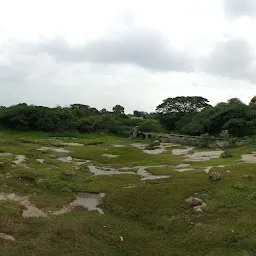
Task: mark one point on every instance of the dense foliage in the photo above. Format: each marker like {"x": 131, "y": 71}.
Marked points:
{"x": 193, "y": 116}
{"x": 184, "y": 115}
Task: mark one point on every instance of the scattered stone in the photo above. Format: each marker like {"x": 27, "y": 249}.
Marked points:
{"x": 196, "y": 203}
{"x": 6, "y": 237}
{"x": 214, "y": 176}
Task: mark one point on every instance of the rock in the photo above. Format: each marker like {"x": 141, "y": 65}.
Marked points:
{"x": 196, "y": 203}
{"x": 214, "y": 176}
{"x": 6, "y": 237}
{"x": 69, "y": 173}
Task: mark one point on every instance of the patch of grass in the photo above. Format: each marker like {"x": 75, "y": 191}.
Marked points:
{"x": 127, "y": 156}
{"x": 167, "y": 170}
{"x": 152, "y": 217}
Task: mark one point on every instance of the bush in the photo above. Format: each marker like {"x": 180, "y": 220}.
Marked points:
{"x": 226, "y": 154}
{"x": 240, "y": 186}
{"x": 150, "y": 125}
{"x": 252, "y": 196}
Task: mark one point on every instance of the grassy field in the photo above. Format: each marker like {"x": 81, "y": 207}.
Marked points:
{"x": 141, "y": 217}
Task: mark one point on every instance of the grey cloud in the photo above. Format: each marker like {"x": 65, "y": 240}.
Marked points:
{"x": 237, "y": 8}
{"x": 143, "y": 47}
{"x": 233, "y": 58}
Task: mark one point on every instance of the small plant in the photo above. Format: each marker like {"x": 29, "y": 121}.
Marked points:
{"x": 240, "y": 186}
{"x": 252, "y": 196}
{"x": 226, "y": 154}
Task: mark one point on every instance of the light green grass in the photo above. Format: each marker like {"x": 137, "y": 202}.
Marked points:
{"x": 152, "y": 217}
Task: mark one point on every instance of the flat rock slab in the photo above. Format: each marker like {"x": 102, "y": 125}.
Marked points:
{"x": 30, "y": 211}
{"x": 89, "y": 201}
{"x": 249, "y": 158}
{"x": 58, "y": 150}
{"x": 204, "y": 155}
{"x": 6, "y": 237}
{"x": 182, "y": 152}
{"x": 19, "y": 159}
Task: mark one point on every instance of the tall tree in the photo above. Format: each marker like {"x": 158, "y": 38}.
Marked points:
{"x": 118, "y": 109}
{"x": 173, "y": 109}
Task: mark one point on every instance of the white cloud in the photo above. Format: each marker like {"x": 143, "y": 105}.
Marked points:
{"x": 132, "y": 53}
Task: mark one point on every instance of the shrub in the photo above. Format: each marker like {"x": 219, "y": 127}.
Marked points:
{"x": 226, "y": 154}
{"x": 240, "y": 186}
{"x": 252, "y": 196}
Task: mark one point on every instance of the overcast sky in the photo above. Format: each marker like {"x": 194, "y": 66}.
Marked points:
{"x": 134, "y": 53}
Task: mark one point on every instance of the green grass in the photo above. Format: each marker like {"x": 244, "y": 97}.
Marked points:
{"x": 151, "y": 216}
{"x": 168, "y": 170}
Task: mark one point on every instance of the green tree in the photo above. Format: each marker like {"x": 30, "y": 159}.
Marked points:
{"x": 173, "y": 109}
{"x": 118, "y": 110}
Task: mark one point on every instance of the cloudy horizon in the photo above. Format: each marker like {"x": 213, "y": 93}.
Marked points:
{"x": 132, "y": 53}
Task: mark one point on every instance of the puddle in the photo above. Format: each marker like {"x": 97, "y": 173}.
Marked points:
{"x": 58, "y": 150}
{"x": 19, "y": 159}
{"x": 6, "y": 237}
{"x": 86, "y": 200}
{"x": 41, "y": 161}
{"x": 249, "y": 158}
{"x": 30, "y": 211}
{"x": 110, "y": 155}
{"x": 204, "y": 155}
{"x": 72, "y": 144}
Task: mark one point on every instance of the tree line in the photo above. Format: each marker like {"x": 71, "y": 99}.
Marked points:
{"x": 191, "y": 115}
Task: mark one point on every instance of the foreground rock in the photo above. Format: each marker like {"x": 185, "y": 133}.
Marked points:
{"x": 196, "y": 203}
{"x": 214, "y": 176}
